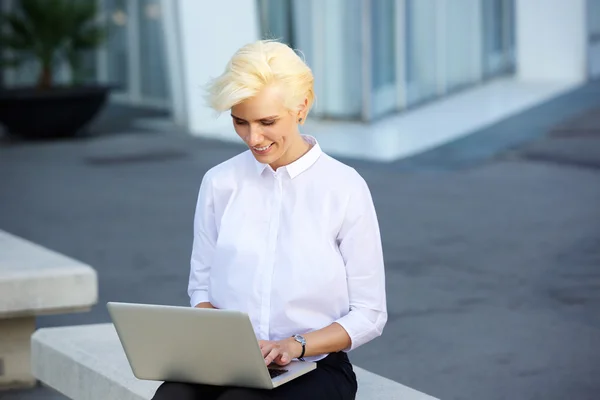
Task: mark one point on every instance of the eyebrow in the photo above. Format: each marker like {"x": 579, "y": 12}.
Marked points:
{"x": 260, "y": 119}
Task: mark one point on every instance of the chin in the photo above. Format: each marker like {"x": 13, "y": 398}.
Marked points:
{"x": 267, "y": 158}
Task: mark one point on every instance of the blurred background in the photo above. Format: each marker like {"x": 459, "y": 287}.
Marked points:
{"x": 476, "y": 124}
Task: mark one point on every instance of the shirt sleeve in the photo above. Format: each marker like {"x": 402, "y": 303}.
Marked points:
{"x": 203, "y": 247}
{"x": 360, "y": 245}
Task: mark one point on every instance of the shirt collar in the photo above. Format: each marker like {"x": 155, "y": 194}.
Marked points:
{"x": 300, "y": 165}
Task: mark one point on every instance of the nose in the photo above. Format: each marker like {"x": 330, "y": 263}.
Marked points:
{"x": 255, "y": 136}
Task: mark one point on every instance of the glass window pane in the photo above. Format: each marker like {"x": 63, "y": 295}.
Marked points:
{"x": 421, "y": 47}
{"x": 152, "y": 50}
{"x": 383, "y": 43}
{"x": 276, "y": 20}
{"x": 89, "y": 67}
{"x": 383, "y": 56}
{"x": 117, "y": 52}
{"x": 462, "y": 43}
{"x": 341, "y": 57}
{"x": 328, "y": 34}
{"x": 29, "y": 71}
{"x": 498, "y": 45}
{"x": 594, "y": 19}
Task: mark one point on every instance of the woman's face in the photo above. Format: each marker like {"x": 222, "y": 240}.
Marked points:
{"x": 268, "y": 128}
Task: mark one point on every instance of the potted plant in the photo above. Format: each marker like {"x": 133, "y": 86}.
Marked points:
{"x": 51, "y": 33}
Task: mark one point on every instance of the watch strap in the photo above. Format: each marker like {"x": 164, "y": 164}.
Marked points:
{"x": 300, "y": 339}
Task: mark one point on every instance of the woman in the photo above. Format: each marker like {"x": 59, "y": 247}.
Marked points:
{"x": 286, "y": 234}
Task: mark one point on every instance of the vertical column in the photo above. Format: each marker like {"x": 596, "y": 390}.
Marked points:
{"x": 593, "y": 35}
{"x": 174, "y": 58}
{"x": 551, "y": 40}
{"x": 400, "y": 53}
{"x": 102, "y": 51}
{"x": 366, "y": 30}
{"x": 133, "y": 47}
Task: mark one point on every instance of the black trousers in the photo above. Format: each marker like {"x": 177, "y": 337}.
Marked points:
{"x": 334, "y": 379}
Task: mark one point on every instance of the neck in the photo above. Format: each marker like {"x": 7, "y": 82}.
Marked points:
{"x": 299, "y": 148}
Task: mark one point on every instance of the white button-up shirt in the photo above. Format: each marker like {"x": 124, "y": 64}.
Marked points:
{"x": 296, "y": 249}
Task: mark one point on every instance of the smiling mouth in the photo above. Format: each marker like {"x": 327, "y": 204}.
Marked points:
{"x": 262, "y": 149}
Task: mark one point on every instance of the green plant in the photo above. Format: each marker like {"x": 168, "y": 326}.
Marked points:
{"x": 51, "y": 31}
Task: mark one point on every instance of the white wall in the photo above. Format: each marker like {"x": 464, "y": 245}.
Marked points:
{"x": 551, "y": 40}
{"x": 210, "y": 32}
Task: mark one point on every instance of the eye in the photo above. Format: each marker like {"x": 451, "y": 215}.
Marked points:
{"x": 268, "y": 123}
{"x": 239, "y": 122}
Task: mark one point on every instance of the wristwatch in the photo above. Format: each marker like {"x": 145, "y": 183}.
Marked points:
{"x": 300, "y": 339}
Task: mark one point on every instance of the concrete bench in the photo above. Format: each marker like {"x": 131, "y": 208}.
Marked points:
{"x": 35, "y": 281}
{"x": 88, "y": 362}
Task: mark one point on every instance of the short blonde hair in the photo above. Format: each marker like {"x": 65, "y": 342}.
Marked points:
{"x": 257, "y": 65}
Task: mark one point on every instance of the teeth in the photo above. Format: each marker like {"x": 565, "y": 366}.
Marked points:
{"x": 261, "y": 148}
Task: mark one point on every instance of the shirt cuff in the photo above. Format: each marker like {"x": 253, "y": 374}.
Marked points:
{"x": 362, "y": 326}
{"x": 198, "y": 296}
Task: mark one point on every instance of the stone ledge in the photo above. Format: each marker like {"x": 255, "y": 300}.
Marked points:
{"x": 88, "y": 362}
{"x": 35, "y": 280}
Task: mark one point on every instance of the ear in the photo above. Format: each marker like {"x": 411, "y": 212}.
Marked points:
{"x": 302, "y": 112}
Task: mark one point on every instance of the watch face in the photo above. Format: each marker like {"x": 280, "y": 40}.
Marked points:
{"x": 300, "y": 339}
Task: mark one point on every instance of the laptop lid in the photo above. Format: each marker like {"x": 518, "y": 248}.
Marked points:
{"x": 185, "y": 344}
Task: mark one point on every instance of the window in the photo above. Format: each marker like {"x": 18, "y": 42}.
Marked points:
{"x": 134, "y": 58}
{"x": 372, "y": 57}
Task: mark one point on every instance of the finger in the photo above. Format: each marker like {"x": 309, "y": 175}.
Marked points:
{"x": 272, "y": 355}
{"x": 283, "y": 359}
{"x": 266, "y": 348}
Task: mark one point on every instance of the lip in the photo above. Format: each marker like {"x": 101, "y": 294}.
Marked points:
{"x": 265, "y": 152}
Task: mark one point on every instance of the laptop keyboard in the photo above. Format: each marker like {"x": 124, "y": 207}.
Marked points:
{"x": 274, "y": 372}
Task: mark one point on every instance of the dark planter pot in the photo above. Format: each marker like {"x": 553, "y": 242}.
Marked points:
{"x": 58, "y": 112}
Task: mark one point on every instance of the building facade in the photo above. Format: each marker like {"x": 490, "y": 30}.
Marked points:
{"x": 373, "y": 60}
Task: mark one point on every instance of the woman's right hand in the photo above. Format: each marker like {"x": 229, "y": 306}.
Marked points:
{"x": 205, "y": 304}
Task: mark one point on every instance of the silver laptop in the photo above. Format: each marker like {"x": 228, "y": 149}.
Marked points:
{"x": 193, "y": 345}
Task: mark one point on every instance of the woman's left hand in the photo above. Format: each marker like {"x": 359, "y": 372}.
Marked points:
{"x": 280, "y": 352}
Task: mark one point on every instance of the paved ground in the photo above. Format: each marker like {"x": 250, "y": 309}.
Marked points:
{"x": 492, "y": 244}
